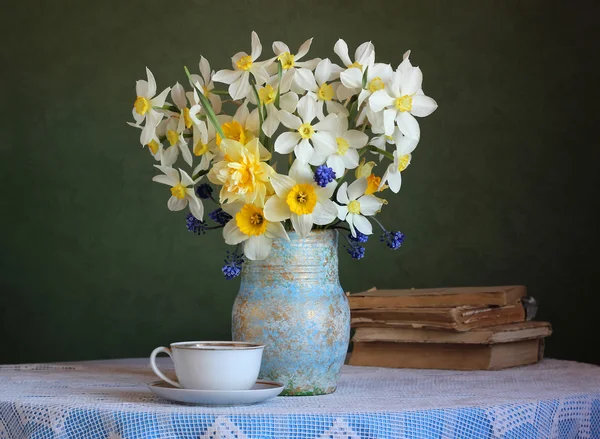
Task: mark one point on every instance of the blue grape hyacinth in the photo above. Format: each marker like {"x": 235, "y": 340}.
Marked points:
{"x": 324, "y": 175}
{"x": 233, "y": 265}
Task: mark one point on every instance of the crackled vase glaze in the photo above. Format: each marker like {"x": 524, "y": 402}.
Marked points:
{"x": 293, "y": 303}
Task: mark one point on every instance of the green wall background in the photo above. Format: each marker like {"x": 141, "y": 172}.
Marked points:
{"x": 502, "y": 189}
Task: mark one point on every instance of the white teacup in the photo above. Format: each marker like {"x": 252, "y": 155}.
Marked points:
{"x": 212, "y": 365}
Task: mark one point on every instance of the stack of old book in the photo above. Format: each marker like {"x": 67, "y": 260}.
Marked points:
{"x": 471, "y": 328}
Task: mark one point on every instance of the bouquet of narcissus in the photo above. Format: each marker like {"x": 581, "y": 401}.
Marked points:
{"x": 315, "y": 119}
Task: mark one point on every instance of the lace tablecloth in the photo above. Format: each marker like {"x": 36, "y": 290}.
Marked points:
{"x": 109, "y": 399}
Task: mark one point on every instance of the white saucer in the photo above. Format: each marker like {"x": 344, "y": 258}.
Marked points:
{"x": 261, "y": 391}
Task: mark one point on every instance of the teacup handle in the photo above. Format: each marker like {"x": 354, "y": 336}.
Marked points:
{"x": 156, "y": 370}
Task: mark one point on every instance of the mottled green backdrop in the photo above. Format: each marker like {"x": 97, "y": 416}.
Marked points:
{"x": 502, "y": 189}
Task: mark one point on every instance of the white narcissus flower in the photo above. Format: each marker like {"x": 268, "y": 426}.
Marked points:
{"x": 317, "y": 85}
{"x": 289, "y": 62}
{"x": 348, "y": 142}
{"x": 182, "y": 190}
{"x": 180, "y": 101}
{"x": 402, "y": 156}
{"x": 364, "y": 56}
{"x": 146, "y": 101}
{"x": 204, "y": 145}
{"x": 288, "y": 101}
{"x": 307, "y": 138}
{"x": 148, "y": 135}
{"x": 355, "y": 205}
{"x": 250, "y": 228}
{"x": 402, "y": 100}
{"x": 169, "y": 128}
{"x": 378, "y": 75}
{"x": 244, "y": 64}
{"x": 242, "y": 126}
{"x": 204, "y": 82}
{"x": 300, "y": 199}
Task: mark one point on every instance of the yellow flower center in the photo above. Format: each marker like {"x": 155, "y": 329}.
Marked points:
{"x": 325, "y": 92}
{"x": 354, "y": 206}
{"x": 373, "y": 184}
{"x": 287, "y": 60}
{"x": 302, "y": 199}
{"x": 376, "y": 84}
{"x": 235, "y": 131}
{"x": 244, "y": 63}
{"x": 267, "y": 94}
{"x": 205, "y": 90}
{"x": 172, "y": 137}
{"x": 186, "y": 118}
{"x": 403, "y": 162}
{"x": 251, "y": 221}
{"x": 355, "y": 64}
{"x": 342, "y": 145}
{"x": 306, "y": 130}
{"x": 404, "y": 103}
{"x": 142, "y": 105}
{"x": 153, "y": 146}
{"x": 200, "y": 148}
{"x": 178, "y": 191}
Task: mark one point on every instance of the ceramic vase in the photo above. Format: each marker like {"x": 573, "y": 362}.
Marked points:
{"x": 293, "y": 303}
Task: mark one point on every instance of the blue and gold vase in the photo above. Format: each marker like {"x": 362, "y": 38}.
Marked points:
{"x": 293, "y": 303}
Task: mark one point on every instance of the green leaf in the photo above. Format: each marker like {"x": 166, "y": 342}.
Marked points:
{"x": 261, "y": 136}
{"x": 207, "y": 106}
{"x": 364, "y": 78}
{"x": 279, "y": 75}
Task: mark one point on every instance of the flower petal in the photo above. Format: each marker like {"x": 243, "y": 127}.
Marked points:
{"x": 302, "y": 224}
{"x": 394, "y": 179}
{"x": 380, "y": 100}
{"x": 163, "y": 179}
{"x": 411, "y": 82}
{"x": 256, "y": 47}
{"x": 335, "y": 162}
{"x": 169, "y": 156}
{"x": 325, "y": 212}
{"x": 352, "y": 78}
{"x": 196, "y": 206}
{"x": 282, "y": 184}
{"x": 258, "y": 247}
{"x": 369, "y": 205}
{"x": 289, "y": 102}
{"x": 270, "y": 124}
{"x": 422, "y": 106}
{"x": 169, "y": 172}
{"x": 240, "y": 88}
{"x": 342, "y": 212}
{"x": 307, "y": 108}
{"x": 336, "y": 108}
{"x": 303, "y": 50}
{"x": 356, "y": 139}
{"x": 276, "y": 230}
{"x": 364, "y": 52}
{"x": 388, "y": 120}
{"x": 408, "y": 125}
{"x": 276, "y": 209}
{"x": 232, "y": 233}
{"x": 324, "y": 143}
{"x": 289, "y": 120}
{"x": 330, "y": 123}
{"x": 286, "y": 142}
{"x": 151, "y": 83}
{"x": 342, "y": 193}
{"x": 141, "y": 88}
{"x": 303, "y": 151}
{"x": 204, "y": 67}
{"x": 357, "y": 188}
{"x": 305, "y": 79}
{"x": 227, "y": 76}
{"x": 341, "y": 50}
{"x": 362, "y": 225}
{"x": 185, "y": 152}
{"x": 175, "y": 204}
{"x": 178, "y": 95}
{"x": 260, "y": 73}
{"x": 301, "y": 172}
{"x": 159, "y": 100}
{"x": 350, "y": 159}
{"x": 323, "y": 71}
{"x": 280, "y": 47}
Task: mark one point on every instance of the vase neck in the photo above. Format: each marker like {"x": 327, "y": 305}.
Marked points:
{"x": 310, "y": 259}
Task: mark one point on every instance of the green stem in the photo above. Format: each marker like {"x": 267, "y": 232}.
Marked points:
{"x": 207, "y": 107}
{"x": 389, "y": 155}
{"x": 199, "y": 174}
{"x": 279, "y": 75}
{"x": 261, "y": 117}
{"x": 168, "y": 107}
{"x": 219, "y": 92}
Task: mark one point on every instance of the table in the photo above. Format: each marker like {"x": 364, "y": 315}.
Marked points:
{"x": 109, "y": 399}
